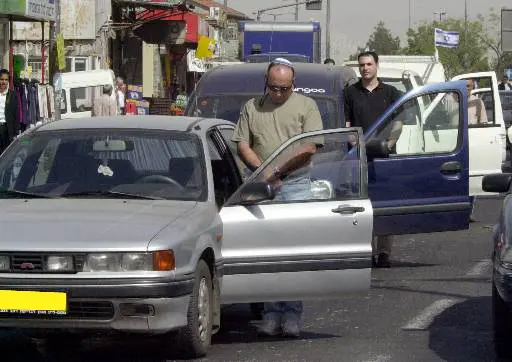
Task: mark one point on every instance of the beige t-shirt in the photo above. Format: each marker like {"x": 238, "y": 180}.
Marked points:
{"x": 476, "y": 110}
{"x": 266, "y": 125}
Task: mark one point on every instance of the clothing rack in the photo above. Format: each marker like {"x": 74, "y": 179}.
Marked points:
{"x": 35, "y": 102}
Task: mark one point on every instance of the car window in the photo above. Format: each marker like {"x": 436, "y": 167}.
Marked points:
{"x": 436, "y": 131}
{"x": 228, "y": 107}
{"x": 333, "y": 172}
{"x": 82, "y": 98}
{"x": 154, "y": 164}
{"x": 227, "y": 135}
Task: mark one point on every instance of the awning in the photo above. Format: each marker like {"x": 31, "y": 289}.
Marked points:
{"x": 28, "y": 10}
{"x": 150, "y": 3}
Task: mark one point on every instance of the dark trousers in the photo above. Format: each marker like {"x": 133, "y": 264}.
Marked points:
{"x": 4, "y": 137}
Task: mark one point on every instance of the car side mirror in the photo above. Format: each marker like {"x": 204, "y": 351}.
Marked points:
{"x": 256, "y": 192}
{"x": 497, "y": 182}
{"x": 376, "y": 148}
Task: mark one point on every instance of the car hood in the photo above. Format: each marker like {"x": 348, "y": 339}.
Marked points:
{"x": 85, "y": 225}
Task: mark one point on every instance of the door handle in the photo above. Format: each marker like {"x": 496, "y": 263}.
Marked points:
{"x": 347, "y": 209}
{"x": 450, "y": 168}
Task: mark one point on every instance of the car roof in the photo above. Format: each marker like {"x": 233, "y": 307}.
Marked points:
{"x": 248, "y": 78}
{"x": 150, "y": 122}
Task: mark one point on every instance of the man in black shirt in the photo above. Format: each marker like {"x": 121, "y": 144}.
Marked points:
{"x": 365, "y": 101}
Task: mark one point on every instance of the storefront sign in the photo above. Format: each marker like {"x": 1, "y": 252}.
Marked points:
{"x": 33, "y": 9}
{"x": 40, "y": 9}
{"x": 194, "y": 64}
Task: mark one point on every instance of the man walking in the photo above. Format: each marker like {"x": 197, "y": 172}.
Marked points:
{"x": 9, "y": 110}
{"x": 105, "y": 105}
{"x": 265, "y": 123}
{"x": 365, "y": 101}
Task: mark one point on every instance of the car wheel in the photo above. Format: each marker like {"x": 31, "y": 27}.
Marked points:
{"x": 196, "y": 337}
{"x": 502, "y": 322}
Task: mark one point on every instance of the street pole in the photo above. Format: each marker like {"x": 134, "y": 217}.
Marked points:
{"x": 409, "y": 14}
{"x": 296, "y": 10}
{"x": 55, "y": 29}
{"x": 225, "y": 3}
{"x": 328, "y": 30}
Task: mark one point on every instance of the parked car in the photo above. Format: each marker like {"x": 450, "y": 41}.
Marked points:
{"x": 146, "y": 224}
{"x": 502, "y": 266}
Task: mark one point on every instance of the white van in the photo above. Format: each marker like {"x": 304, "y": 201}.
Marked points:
{"x": 427, "y": 67}
{"x": 79, "y": 89}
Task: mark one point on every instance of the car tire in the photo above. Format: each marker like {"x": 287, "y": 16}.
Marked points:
{"x": 502, "y": 323}
{"x": 195, "y": 338}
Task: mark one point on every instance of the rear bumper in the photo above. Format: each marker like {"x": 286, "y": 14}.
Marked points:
{"x": 142, "y": 305}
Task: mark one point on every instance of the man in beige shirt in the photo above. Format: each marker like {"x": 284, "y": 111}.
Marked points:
{"x": 476, "y": 107}
{"x": 105, "y": 105}
{"x": 265, "y": 123}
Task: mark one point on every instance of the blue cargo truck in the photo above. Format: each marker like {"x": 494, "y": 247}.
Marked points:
{"x": 263, "y": 41}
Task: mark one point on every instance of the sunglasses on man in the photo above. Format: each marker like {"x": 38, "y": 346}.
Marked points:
{"x": 278, "y": 89}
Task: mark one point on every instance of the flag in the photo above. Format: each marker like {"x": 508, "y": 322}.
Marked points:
{"x": 447, "y": 39}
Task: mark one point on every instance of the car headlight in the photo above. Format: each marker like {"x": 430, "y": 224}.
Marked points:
{"x": 60, "y": 263}
{"x": 125, "y": 262}
{"x": 5, "y": 263}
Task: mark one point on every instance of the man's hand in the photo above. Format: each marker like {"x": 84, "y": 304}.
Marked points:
{"x": 248, "y": 156}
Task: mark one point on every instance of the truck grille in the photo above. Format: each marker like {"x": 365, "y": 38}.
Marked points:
{"x": 26, "y": 263}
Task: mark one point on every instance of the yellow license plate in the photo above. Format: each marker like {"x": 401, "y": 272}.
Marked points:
{"x": 17, "y": 301}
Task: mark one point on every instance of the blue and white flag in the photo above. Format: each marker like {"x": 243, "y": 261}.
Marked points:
{"x": 447, "y": 39}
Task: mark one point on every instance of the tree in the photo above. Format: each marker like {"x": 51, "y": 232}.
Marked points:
{"x": 469, "y": 56}
{"x": 492, "y": 37}
{"x": 382, "y": 41}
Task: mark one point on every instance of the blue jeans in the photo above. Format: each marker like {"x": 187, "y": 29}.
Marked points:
{"x": 293, "y": 190}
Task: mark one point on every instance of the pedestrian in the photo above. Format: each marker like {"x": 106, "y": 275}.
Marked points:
{"x": 505, "y": 84}
{"x": 329, "y": 61}
{"x": 476, "y": 107}
{"x": 9, "y": 111}
{"x": 265, "y": 123}
{"x": 364, "y": 102}
{"x": 121, "y": 94}
{"x": 105, "y": 105}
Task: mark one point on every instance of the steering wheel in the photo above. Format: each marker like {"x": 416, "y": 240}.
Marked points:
{"x": 159, "y": 179}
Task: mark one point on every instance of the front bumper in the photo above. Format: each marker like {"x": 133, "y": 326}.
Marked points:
{"x": 128, "y": 305}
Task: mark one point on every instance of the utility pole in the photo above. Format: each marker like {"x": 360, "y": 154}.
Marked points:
{"x": 296, "y": 10}
{"x": 465, "y": 35}
{"x": 53, "y": 62}
{"x": 409, "y": 14}
{"x": 328, "y": 29}
{"x": 225, "y": 3}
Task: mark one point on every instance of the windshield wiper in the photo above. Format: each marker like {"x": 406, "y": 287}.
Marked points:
{"x": 24, "y": 194}
{"x": 113, "y": 194}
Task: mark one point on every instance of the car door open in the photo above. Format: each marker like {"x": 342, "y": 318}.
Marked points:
{"x": 300, "y": 227}
{"x": 423, "y": 185}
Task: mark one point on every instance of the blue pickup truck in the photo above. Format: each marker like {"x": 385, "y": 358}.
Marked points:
{"x": 423, "y": 187}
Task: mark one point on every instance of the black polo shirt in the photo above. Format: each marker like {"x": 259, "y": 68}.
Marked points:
{"x": 363, "y": 107}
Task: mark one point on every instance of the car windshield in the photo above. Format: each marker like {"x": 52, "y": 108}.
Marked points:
{"x": 228, "y": 107}
{"x": 104, "y": 163}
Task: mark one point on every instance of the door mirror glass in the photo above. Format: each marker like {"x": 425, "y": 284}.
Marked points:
{"x": 256, "y": 192}
{"x": 376, "y": 148}
{"x": 499, "y": 182}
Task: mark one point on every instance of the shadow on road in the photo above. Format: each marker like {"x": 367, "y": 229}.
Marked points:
{"x": 464, "y": 332}
{"x": 239, "y": 326}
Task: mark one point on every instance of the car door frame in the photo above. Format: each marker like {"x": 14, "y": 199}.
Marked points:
{"x": 418, "y": 215}
{"x": 484, "y": 135}
{"x": 327, "y": 273}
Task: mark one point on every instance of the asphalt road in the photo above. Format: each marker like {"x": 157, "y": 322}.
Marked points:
{"x": 433, "y": 305}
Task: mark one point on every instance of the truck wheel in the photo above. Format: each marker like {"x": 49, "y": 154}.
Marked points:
{"x": 196, "y": 337}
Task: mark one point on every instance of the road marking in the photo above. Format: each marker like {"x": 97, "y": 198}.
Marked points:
{"x": 423, "y": 320}
{"x": 482, "y": 268}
